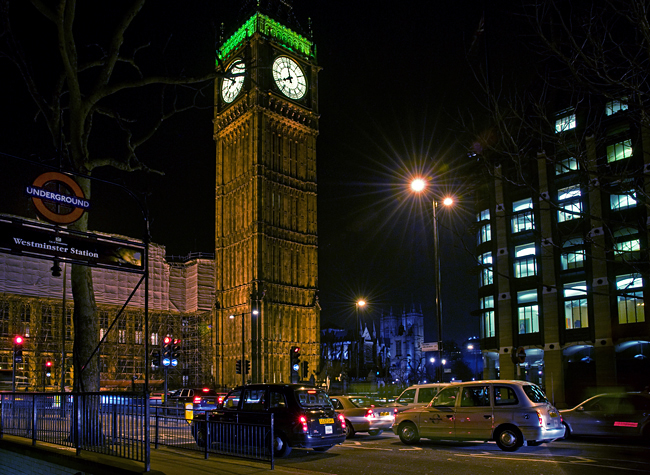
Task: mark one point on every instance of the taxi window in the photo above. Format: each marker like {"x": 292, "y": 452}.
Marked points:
{"x": 336, "y": 403}
{"x": 407, "y": 396}
{"x": 475, "y": 396}
{"x": 232, "y": 401}
{"x": 446, "y": 398}
{"x": 505, "y": 396}
{"x": 535, "y": 393}
{"x": 312, "y": 398}
{"x": 253, "y": 400}
{"x": 276, "y": 400}
{"x": 426, "y": 394}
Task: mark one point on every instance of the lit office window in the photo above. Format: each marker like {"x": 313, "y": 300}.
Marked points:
{"x": 154, "y": 339}
{"x": 612, "y": 107}
{"x": 483, "y": 215}
{"x": 575, "y": 305}
{"x": 569, "y": 204}
{"x": 630, "y": 298}
{"x": 573, "y": 254}
{"x": 528, "y": 312}
{"x": 487, "y": 276}
{"x": 624, "y": 201}
{"x": 565, "y": 166}
{"x": 565, "y": 123}
{"x": 488, "y": 325}
{"x": 619, "y": 151}
{"x": 523, "y": 219}
{"x": 525, "y": 262}
{"x": 485, "y": 233}
{"x": 626, "y": 244}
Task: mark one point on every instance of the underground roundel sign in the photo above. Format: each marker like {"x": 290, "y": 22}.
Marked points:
{"x": 58, "y": 198}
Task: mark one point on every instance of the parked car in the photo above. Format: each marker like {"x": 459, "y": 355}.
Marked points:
{"x": 363, "y": 415}
{"x": 418, "y": 395}
{"x": 202, "y": 399}
{"x": 511, "y": 413}
{"x": 610, "y": 415}
{"x": 303, "y": 416}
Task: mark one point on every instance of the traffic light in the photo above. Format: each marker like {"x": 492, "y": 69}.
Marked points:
{"x": 167, "y": 351}
{"x": 238, "y": 367}
{"x": 176, "y": 349}
{"x": 295, "y": 358}
{"x": 47, "y": 366}
{"x": 248, "y": 366}
{"x": 305, "y": 369}
{"x": 156, "y": 358}
{"x": 18, "y": 348}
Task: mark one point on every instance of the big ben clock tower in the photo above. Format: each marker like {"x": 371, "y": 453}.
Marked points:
{"x": 265, "y": 129}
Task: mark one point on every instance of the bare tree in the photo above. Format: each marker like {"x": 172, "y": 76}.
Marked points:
{"x": 582, "y": 55}
{"x": 86, "y": 97}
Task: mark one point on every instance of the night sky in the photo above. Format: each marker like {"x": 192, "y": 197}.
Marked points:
{"x": 395, "y": 79}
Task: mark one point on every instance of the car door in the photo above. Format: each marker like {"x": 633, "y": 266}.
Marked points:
{"x": 473, "y": 418}
{"x": 437, "y": 419}
{"x": 594, "y": 417}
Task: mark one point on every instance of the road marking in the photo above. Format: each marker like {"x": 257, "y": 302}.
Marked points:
{"x": 579, "y": 460}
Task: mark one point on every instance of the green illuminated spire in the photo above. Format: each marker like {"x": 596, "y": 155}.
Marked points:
{"x": 265, "y": 20}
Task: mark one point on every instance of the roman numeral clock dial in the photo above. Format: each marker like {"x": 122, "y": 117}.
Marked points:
{"x": 232, "y": 86}
{"x": 289, "y": 77}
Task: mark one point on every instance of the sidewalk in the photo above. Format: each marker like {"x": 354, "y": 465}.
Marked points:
{"x": 164, "y": 461}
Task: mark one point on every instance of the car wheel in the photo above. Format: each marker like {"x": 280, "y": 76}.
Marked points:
{"x": 281, "y": 446}
{"x": 509, "y": 439}
{"x": 375, "y": 432}
{"x": 322, "y": 449}
{"x": 349, "y": 430}
{"x": 408, "y": 433}
{"x": 567, "y": 431}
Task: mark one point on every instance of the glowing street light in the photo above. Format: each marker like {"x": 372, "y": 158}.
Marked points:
{"x": 418, "y": 185}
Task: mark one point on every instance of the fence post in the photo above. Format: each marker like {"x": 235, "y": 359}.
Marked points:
{"x": 157, "y": 428}
{"x": 114, "y": 424}
{"x": 207, "y": 437}
{"x": 34, "y": 421}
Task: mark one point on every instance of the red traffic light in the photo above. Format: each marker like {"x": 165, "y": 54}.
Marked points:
{"x": 18, "y": 340}
{"x": 295, "y": 349}
{"x": 167, "y": 340}
{"x": 48, "y": 364}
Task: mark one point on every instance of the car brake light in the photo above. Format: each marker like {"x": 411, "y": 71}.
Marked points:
{"x": 342, "y": 419}
{"x": 541, "y": 419}
{"x": 395, "y": 411}
{"x": 369, "y": 414}
{"x": 303, "y": 421}
{"x": 206, "y": 390}
{"x": 197, "y": 399}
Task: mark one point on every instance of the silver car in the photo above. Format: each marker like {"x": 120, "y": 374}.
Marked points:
{"x": 363, "y": 415}
{"x": 417, "y": 395}
{"x": 610, "y": 415}
{"x": 511, "y": 413}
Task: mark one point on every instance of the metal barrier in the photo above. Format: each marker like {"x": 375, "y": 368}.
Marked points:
{"x": 175, "y": 427}
{"x": 110, "y": 424}
{"x": 114, "y": 424}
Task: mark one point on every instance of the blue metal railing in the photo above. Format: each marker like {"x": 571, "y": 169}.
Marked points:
{"x": 113, "y": 424}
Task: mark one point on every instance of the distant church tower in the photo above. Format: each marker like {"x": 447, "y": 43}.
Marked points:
{"x": 265, "y": 129}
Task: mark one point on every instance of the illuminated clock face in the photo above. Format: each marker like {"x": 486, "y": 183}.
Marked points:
{"x": 232, "y": 86}
{"x": 289, "y": 77}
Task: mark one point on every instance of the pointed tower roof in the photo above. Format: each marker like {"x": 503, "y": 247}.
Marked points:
{"x": 273, "y": 19}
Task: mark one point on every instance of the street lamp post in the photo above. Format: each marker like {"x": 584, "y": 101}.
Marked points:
{"x": 360, "y": 303}
{"x": 418, "y": 185}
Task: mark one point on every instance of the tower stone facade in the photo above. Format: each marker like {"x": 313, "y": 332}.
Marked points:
{"x": 266, "y": 267}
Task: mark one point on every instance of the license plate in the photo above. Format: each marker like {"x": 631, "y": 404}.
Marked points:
{"x": 328, "y": 429}
{"x": 326, "y": 421}
{"x": 383, "y": 413}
